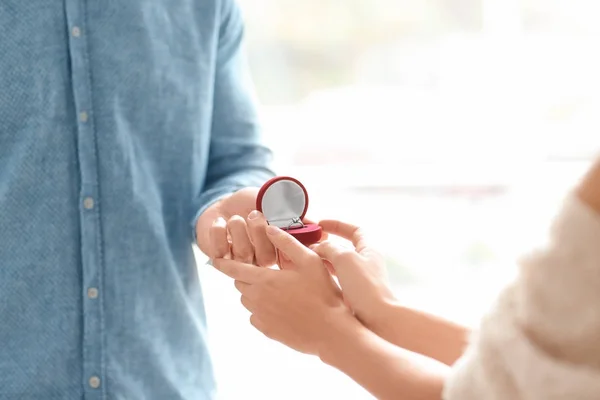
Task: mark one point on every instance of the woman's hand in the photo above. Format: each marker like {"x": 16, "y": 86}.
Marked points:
{"x": 302, "y": 307}
{"x": 361, "y": 272}
{"x": 299, "y": 306}
{"x": 362, "y": 275}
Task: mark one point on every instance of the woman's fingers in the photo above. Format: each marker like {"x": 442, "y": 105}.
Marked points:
{"x": 260, "y": 325}
{"x": 295, "y": 251}
{"x": 347, "y": 231}
{"x": 246, "y": 273}
{"x": 241, "y": 286}
{"x": 336, "y": 254}
{"x": 248, "y": 304}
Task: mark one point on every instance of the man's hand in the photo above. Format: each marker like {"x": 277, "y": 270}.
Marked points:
{"x": 233, "y": 228}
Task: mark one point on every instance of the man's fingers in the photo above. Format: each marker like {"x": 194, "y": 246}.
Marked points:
{"x": 263, "y": 248}
{"x": 218, "y": 239}
{"x": 241, "y": 246}
{"x": 347, "y": 231}
{"x": 242, "y": 272}
{"x": 286, "y": 243}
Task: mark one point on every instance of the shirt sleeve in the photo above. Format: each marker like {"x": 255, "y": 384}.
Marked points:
{"x": 542, "y": 338}
{"x": 238, "y": 155}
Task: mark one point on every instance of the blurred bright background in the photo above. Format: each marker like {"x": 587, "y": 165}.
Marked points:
{"x": 449, "y": 129}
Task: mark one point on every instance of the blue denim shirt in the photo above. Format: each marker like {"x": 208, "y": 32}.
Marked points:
{"x": 120, "y": 122}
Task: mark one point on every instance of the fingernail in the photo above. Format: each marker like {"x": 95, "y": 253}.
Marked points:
{"x": 273, "y": 230}
{"x": 220, "y": 222}
{"x": 253, "y": 215}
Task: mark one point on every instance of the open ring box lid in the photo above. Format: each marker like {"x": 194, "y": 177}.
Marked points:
{"x": 284, "y": 202}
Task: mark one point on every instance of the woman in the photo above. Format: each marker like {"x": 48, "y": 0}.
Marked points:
{"x": 541, "y": 340}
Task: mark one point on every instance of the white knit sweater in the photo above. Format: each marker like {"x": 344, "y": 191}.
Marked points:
{"x": 542, "y": 338}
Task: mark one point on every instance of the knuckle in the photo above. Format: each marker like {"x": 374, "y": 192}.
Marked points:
{"x": 326, "y": 246}
{"x": 236, "y": 222}
{"x": 258, "y": 298}
{"x": 220, "y": 242}
{"x": 269, "y": 283}
{"x": 257, "y": 222}
{"x": 222, "y": 248}
{"x": 356, "y": 230}
{"x": 242, "y": 248}
{"x": 217, "y": 232}
{"x": 265, "y": 260}
{"x": 264, "y": 329}
{"x": 254, "y": 321}
{"x": 244, "y": 302}
{"x": 267, "y": 332}
{"x": 285, "y": 241}
{"x": 358, "y": 234}
{"x": 236, "y": 219}
{"x": 243, "y": 251}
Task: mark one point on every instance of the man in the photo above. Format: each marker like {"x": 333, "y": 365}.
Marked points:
{"x": 125, "y": 127}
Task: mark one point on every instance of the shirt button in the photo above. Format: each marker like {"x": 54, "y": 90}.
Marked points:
{"x": 92, "y": 293}
{"x": 88, "y": 203}
{"x": 76, "y": 32}
{"x": 94, "y": 382}
{"x": 83, "y": 116}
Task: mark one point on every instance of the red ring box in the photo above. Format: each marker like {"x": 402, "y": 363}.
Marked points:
{"x": 284, "y": 201}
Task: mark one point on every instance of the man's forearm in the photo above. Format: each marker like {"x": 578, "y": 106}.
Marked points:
{"x": 421, "y": 333}
{"x": 385, "y": 370}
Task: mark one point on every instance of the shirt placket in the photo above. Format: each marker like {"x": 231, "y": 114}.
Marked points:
{"x": 94, "y": 378}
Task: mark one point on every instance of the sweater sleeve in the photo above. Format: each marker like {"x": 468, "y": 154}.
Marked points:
{"x": 541, "y": 340}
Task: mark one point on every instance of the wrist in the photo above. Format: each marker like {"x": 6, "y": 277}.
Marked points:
{"x": 420, "y": 332}
{"x": 379, "y": 315}
{"x": 344, "y": 332}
